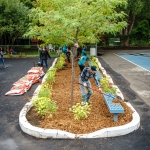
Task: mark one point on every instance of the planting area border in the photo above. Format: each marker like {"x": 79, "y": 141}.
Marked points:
{"x": 59, "y": 134}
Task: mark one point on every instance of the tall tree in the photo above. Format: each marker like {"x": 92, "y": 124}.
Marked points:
{"x": 13, "y": 20}
{"x": 75, "y": 21}
{"x": 134, "y": 10}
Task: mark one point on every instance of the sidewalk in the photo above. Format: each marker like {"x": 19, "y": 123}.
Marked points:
{"x": 12, "y": 137}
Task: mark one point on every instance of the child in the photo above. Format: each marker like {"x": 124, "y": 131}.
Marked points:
{"x": 12, "y": 51}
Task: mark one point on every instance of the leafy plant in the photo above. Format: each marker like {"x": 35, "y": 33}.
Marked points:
{"x": 104, "y": 82}
{"x": 45, "y": 90}
{"x": 93, "y": 61}
{"x": 51, "y": 75}
{"x": 80, "y": 112}
{"x": 45, "y": 106}
{"x": 61, "y": 62}
{"x": 77, "y": 29}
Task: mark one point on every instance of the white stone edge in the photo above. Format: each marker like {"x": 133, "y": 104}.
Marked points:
{"x": 59, "y": 134}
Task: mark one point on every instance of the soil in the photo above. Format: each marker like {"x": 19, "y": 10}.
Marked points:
{"x": 98, "y": 118}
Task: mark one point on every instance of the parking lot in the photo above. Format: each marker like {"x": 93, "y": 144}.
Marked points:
{"x": 129, "y": 78}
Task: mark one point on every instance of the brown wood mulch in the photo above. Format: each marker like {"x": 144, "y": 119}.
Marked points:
{"x": 98, "y": 118}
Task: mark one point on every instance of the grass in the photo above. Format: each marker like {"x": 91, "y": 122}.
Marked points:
{"x": 37, "y": 53}
{"x": 33, "y": 53}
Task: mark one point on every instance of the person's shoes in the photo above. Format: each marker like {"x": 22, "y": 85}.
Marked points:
{"x": 5, "y": 66}
{"x": 83, "y": 103}
{"x": 89, "y": 103}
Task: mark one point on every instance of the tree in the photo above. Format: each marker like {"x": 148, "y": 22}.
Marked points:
{"x": 13, "y": 20}
{"x": 134, "y": 10}
{"x": 140, "y": 34}
{"x": 75, "y": 21}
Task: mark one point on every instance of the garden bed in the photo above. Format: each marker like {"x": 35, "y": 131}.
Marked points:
{"x": 98, "y": 118}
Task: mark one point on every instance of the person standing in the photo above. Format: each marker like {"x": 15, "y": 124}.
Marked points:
{"x": 79, "y": 50}
{"x": 85, "y": 85}
{"x": 82, "y": 61}
{"x": 64, "y": 49}
{"x": 1, "y": 57}
{"x": 83, "y": 51}
{"x": 44, "y": 55}
{"x": 68, "y": 54}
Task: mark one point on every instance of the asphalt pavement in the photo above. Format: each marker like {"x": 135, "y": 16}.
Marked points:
{"x": 124, "y": 74}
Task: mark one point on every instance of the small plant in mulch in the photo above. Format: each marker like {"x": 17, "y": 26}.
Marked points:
{"x": 45, "y": 106}
{"x": 51, "y": 75}
{"x": 61, "y": 62}
{"x": 45, "y": 90}
{"x": 80, "y": 112}
{"x": 106, "y": 86}
{"x": 93, "y": 61}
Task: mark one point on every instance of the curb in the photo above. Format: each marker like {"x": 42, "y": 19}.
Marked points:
{"x": 59, "y": 134}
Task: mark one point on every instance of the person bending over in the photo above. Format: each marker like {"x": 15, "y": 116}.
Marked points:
{"x": 85, "y": 85}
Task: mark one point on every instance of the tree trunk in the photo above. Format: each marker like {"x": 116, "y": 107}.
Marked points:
{"x": 126, "y": 31}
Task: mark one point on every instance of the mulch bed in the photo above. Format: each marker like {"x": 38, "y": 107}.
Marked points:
{"x": 98, "y": 118}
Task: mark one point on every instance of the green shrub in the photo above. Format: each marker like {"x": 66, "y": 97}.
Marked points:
{"x": 61, "y": 62}
{"x": 80, "y": 112}
{"x": 45, "y": 106}
{"x": 105, "y": 86}
{"x": 45, "y": 90}
{"x": 51, "y": 75}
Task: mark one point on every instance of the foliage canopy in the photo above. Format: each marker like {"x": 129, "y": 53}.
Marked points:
{"x": 13, "y": 19}
{"x": 75, "y": 21}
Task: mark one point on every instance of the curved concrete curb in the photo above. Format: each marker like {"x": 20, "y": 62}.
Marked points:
{"x": 59, "y": 134}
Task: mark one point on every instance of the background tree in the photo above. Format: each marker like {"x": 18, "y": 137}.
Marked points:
{"x": 75, "y": 21}
{"x": 134, "y": 10}
{"x": 140, "y": 34}
{"x": 13, "y": 20}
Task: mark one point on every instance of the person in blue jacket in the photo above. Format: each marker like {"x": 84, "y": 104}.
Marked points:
{"x": 83, "y": 52}
{"x": 64, "y": 49}
{"x": 82, "y": 61}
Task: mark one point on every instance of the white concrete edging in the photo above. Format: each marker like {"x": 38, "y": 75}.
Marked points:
{"x": 59, "y": 134}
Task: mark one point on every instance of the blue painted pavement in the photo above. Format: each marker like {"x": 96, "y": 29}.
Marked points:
{"x": 140, "y": 59}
